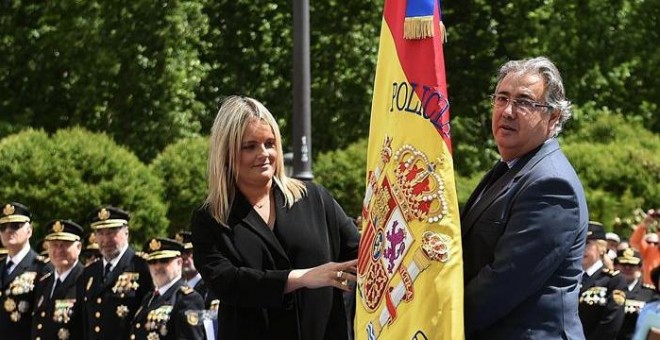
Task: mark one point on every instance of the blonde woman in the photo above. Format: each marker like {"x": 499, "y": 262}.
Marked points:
{"x": 278, "y": 252}
{"x": 603, "y": 290}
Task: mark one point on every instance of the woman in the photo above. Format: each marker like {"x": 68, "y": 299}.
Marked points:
{"x": 277, "y": 252}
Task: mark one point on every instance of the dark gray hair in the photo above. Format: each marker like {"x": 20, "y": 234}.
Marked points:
{"x": 554, "y": 87}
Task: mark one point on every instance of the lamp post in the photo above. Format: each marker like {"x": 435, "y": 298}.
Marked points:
{"x": 302, "y": 122}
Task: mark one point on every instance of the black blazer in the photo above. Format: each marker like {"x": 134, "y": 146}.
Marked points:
{"x": 177, "y": 315}
{"x": 106, "y": 313}
{"x": 246, "y": 265}
{"x": 17, "y": 296}
{"x": 64, "y": 321}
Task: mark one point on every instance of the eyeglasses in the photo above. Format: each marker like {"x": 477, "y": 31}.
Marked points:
{"x": 501, "y": 101}
{"x": 13, "y": 225}
{"x": 652, "y": 242}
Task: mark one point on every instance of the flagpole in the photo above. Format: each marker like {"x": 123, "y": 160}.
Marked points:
{"x": 302, "y": 137}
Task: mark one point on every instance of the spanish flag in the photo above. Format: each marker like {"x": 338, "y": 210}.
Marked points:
{"x": 410, "y": 271}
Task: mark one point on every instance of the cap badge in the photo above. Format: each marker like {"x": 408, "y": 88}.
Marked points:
{"x": 104, "y": 214}
{"x": 58, "y": 227}
{"x": 92, "y": 238}
{"x": 154, "y": 245}
{"x": 628, "y": 253}
{"x": 179, "y": 238}
{"x": 8, "y": 210}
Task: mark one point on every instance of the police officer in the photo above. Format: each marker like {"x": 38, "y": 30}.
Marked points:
{"x": 629, "y": 263}
{"x": 194, "y": 279}
{"x": 90, "y": 252}
{"x": 19, "y": 271}
{"x": 56, "y": 311}
{"x": 113, "y": 287}
{"x": 602, "y": 295}
{"x": 173, "y": 310}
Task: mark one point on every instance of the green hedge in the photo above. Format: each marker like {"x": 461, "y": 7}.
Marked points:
{"x": 74, "y": 171}
{"x": 182, "y": 166}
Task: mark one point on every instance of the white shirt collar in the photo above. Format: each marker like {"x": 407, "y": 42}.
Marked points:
{"x": 164, "y": 288}
{"x": 632, "y": 285}
{"x": 64, "y": 275}
{"x": 113, "y": 262}
{"x": 19, "y": 256}
{"x": 594, "y": 267}
{"x": 192, "y": 282}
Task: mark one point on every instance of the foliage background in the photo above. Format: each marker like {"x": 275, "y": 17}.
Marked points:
{"x": 149, "y": 75}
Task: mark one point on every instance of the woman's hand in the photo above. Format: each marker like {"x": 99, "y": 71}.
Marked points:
{"x": 330, "y": 274}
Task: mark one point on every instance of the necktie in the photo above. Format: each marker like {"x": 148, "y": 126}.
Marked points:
{"x": 107, "y": 270}
{"x": 154, "y": 296}
{"x": 500, "y": 169}
{"x": 57, "y": 284}
{"x": 6, "y": 272}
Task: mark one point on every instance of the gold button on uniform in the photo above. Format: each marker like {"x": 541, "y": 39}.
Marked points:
{"x": 40, "y": 326}
{"x": 99, "y": 300}
{"x": 43, "y": 314}
{"x": 97, "y": 329}
{"x": 138, "y": 325}
{"x": 132, "y": 336}
{"x": 97, "y": 314}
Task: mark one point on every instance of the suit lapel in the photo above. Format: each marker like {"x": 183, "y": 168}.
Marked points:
{"x": 124, "y": 262}
{"x": 252, "y": 219}
{"x": 503, "y": 184}
{"x": 22, "y": 266}
{"x": 63, "y": 288}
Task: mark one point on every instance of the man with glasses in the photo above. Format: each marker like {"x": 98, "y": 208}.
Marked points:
{"x": 524, "y": 226}
{"x": 114, "y": 286}
{"x": 173, "y": 310}
{"x": 19, "y": 272}
{"x": 647, "y": 245}
{"x": 57, "y": 310}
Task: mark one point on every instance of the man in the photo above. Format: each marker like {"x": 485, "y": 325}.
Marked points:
{"x": 90, "y": 252}
{"x": 57, "y": 311}
{"x": 629, "y": 263}
{"x": 194, "y": 279}
{"x": 173, "y": 310}
{"x": 19, "y": 271}
{"x": 602, "y": 295}
{"x": 524, "y": 226}
{"x": 113, "y": 287}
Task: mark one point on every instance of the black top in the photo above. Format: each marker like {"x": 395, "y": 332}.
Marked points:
{"x": 247, "y": 265}
{"x": 602, "y": 297}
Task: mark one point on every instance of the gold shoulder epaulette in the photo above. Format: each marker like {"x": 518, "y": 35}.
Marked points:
{"x": 141, "y": 254}
{"x": 648, "y": 285}
{"x": 43, "y": 259}
{"x": 611, "y": 272}
{"x": 186, "y": 289}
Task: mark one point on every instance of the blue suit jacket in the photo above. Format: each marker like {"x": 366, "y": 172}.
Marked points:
{"x": 523, "y": 243}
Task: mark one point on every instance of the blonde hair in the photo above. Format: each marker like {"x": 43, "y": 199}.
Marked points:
{"x": 235, "y": 114}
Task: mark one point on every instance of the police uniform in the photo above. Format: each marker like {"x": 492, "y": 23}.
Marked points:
{"x": 57, "y": 311}
{"x": 636, "y": 297}
{"x": 176, "y": 313}
{"x": 90, "y": 252}
{"x": 110, "y": 303}
{"x": 17, "y": 287}
{"x": 602, "y": 297}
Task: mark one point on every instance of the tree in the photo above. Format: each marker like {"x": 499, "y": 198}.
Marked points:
{"x": 182, "y": 166}
{"x": 72, "y": 172}
{"x": 129, "y": 69}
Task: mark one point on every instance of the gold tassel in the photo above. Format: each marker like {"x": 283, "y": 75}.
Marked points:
{"x": 418, "y": 27}
{"x": 443, "y": 33}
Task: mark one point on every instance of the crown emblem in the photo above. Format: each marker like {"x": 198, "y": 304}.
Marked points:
{"x": 179, "y": 238}
{"x": 154, "y": 245}
{"x": 92, "y": 238}
{"x": 103, "y": 214}
{"x": 58, "y": 227}
{"x": 8, "y": 210}
{"x": 418, "y": 188}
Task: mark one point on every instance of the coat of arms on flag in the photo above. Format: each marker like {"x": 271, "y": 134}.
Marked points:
{"x": 409, "y": 264}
